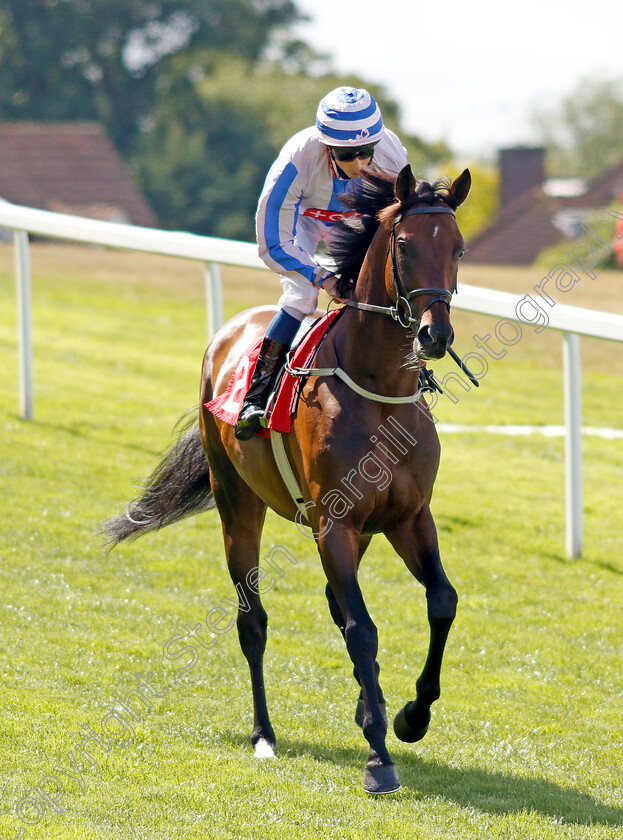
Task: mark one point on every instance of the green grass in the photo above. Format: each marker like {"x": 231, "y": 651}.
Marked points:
{"x": 526, "y": 741}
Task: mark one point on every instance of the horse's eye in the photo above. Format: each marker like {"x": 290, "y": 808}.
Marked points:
{"x": 461, "y": 253}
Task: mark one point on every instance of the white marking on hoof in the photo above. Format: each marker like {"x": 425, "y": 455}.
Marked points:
{"x": 263, "y": 749}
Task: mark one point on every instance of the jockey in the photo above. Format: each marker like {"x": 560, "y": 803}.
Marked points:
{"x": 297, "y": 209}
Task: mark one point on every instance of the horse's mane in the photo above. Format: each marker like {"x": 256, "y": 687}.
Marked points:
{"x": 375, "y": 199}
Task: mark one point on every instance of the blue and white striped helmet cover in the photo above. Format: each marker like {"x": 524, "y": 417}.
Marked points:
{"x": 349, "y": 117}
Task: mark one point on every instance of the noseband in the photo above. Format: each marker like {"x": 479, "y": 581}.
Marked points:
{"x": 401, "y": 311}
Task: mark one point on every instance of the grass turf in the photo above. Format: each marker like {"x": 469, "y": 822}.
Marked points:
{"x": 526, "y": 741}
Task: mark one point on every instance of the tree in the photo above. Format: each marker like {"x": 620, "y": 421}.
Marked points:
{"x": 100, "y": 59}
{"x": 219, "y": 123}
{"x": 203, "y": 155}
{"x": 199, "y": 95}
{"x": 584, "y": 135}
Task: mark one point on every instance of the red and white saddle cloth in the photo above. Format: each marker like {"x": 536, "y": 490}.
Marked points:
{"x": 227, "y": 406}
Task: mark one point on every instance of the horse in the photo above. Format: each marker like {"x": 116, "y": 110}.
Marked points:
{"x": 397, "y": 257}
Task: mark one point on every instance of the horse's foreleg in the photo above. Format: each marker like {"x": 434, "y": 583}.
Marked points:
{"x": 340, "y": 622}
{"x": 242, "y": 516}
{"x": 339, "y": 551}
{"x": 417, "y": 545}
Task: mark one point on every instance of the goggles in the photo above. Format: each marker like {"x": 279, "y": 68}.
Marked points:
{"x": 346, "y": 155}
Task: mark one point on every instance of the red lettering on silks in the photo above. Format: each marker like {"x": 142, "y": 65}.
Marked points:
{"x": 330, "y": 215}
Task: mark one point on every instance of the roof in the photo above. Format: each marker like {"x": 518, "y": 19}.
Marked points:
{"x": 69, "y": 167}
{"x": 537, "y": 220}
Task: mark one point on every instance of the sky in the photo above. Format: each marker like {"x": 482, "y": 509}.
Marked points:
{"x": 470, "y": 72}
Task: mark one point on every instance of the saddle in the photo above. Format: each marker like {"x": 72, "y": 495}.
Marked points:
{"x": 284, "y": 398}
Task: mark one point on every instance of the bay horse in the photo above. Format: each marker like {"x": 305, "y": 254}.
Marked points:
{"x": 402, "y": 247}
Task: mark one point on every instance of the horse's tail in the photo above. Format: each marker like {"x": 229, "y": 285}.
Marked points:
{"x": 177, "y": 488}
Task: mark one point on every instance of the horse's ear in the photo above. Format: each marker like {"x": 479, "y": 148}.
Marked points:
{"x": 405, "y": 183}
{"x": 461, "y": 187}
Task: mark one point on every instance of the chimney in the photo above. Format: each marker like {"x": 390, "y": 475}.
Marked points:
{"x": 520, "y": 170}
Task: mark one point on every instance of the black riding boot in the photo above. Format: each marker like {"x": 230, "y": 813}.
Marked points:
{"x": 272, "y": 355}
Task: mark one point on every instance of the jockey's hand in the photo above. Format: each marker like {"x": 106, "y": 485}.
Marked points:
{"x": 330, "y": 287}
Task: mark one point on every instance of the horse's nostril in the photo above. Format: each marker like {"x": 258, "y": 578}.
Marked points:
{"x": 424, "y": 337}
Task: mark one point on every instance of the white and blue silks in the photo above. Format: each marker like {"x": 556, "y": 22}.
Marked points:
{"x": 299, "y": 206}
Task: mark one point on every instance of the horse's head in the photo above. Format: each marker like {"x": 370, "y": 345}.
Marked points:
{"x": 422, "y": 263}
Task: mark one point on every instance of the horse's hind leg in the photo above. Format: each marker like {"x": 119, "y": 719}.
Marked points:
{"x": 242, "y": 516}
{"x": 417, "y": 545}
{"x": 340, "y": 622}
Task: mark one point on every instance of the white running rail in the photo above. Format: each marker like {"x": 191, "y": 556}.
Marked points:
{"x": 571, "y": 321}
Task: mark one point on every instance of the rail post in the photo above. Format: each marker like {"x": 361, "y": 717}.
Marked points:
{"x": 214, "y": 297}
{"x": 24, "y": 318}
{"x": 573, "y": 444}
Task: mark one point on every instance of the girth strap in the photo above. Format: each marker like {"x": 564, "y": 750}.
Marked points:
{"x": 287, "y": 474}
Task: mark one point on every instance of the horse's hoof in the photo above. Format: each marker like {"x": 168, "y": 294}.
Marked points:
{"x": 381, "y": 778}
{"x": 359, "y": 712}
{"x": 264, "y": 749}
{"x": 405, "y": 732}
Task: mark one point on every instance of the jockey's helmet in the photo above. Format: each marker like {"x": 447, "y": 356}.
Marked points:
{"x": 349, "y": 117}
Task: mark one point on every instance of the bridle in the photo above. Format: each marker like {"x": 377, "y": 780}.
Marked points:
{"x": 401, "y": 311}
